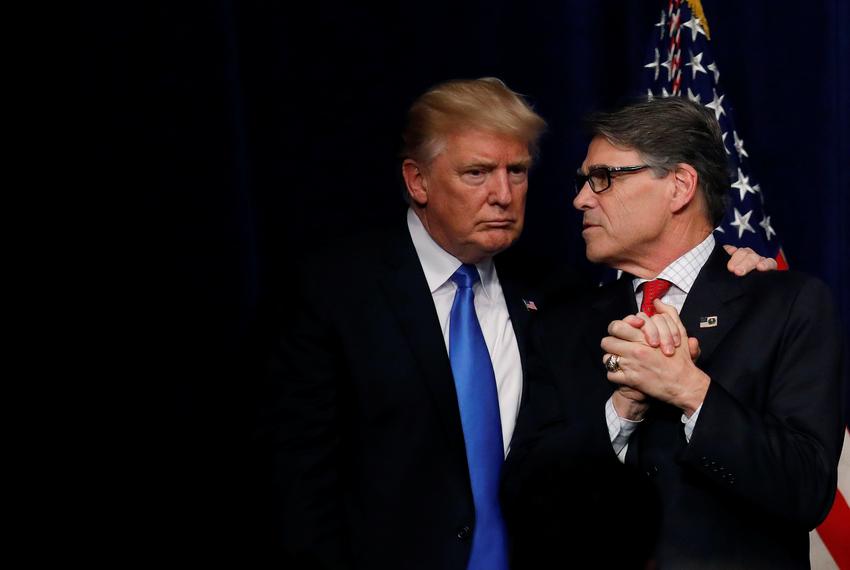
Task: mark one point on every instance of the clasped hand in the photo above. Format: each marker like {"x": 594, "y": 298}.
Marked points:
{"x": 656, "y": 360}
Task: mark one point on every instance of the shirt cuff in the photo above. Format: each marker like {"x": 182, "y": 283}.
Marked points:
{"x": 620, "y": 430}
{"x": 690, "y": 423}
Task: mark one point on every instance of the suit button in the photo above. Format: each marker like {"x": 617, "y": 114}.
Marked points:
{"x": 463, "y": 533}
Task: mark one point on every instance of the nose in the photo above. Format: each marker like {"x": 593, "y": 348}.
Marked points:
{"x": 585, "y": 199}
{"x": 501, "y": 190}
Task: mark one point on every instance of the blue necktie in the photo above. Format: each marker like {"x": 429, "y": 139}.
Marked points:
{"x": 478, "y": 400}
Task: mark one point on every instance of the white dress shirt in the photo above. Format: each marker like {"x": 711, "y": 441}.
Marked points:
{"x": 681, "y": 274}
{"x": 492, "y": 312}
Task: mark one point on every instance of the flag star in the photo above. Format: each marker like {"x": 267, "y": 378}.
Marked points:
{"x": 669, "y": 64}
{"x": 661, "y": 24}
{"x": 739, "y": 145}
{"x": 664, "y": 92}
{"x": 743, "y": 184}
{"x": 649, "y": 95}
{"x": 696, "y": 64}
{"x": 724, "y": 143}
{"x": 720, "y": 229}
{"x": 757, "y": 188}
{"x": 655, "y": 64}
{"x": 768, "y": 229}
{"x": 716, "y": 105}
{"x": 693, "y": 96}
{"x": 696, "y": 27}
{"x": 742, "y": 222}
{"x": 712, "y": 67}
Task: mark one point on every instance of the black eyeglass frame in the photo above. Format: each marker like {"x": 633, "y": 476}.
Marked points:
{"x": 581, "y": 179}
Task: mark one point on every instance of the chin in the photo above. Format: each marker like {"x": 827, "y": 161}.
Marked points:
{"x": 503, "y": 241}
{"x": 491, "y": 247}
{"x": 594, "y": 255}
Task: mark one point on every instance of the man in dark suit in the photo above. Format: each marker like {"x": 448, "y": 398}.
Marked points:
{"x": 722, "y": 460}
{"x": 382, "y": 463}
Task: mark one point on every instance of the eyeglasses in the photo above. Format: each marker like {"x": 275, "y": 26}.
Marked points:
{"x": 599, "y": 178}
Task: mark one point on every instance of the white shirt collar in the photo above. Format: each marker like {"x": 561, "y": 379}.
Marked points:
{"x": 438, "y": 264}
{"x": 683, "y": 271}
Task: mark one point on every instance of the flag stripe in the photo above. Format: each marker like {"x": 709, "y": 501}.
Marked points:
{"x": 819, "y": 556}
{"x": 835, "y": 532}
{"x": 781, "y": 263}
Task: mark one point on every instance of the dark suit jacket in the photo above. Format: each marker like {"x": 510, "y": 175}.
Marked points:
{"x": 371, "y": 465}
{"x": 760, "y": 469}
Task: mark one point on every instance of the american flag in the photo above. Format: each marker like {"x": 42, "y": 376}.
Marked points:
{"x": 680, "y": 64}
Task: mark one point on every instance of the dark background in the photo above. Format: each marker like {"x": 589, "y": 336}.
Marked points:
{"x": 238, "y": 136}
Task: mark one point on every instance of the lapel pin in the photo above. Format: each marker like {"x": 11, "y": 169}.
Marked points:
{"x": 529, "y": 305}
{"x": 707, "y": 322}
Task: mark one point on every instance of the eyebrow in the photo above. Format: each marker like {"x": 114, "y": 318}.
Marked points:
{"x": 524, "y": 162}
{"x": 483, "y": 164}
{"x": 488, "y": 164}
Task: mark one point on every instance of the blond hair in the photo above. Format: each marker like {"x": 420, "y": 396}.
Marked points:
{"x": 486, "y": 104}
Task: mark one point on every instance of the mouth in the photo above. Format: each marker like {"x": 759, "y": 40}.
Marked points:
{"x": 497, "y": 224}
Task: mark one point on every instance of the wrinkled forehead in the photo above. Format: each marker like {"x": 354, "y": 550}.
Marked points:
{"x": 603, "y": 152}
{"x": 474, "y": 140}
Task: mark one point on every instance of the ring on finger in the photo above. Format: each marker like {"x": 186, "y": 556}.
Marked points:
{"x": 612, "y": 363}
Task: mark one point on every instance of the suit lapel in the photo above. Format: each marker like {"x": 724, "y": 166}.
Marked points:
{"x": 614, "y": 301}
{"x": 713, "y": 295}
{"x": 410, "y": 300}
{"x": 520, "y": 315}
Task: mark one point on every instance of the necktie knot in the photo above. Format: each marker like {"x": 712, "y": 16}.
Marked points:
{"x": 465, "y": 276}
{"x": 652, "y": 290}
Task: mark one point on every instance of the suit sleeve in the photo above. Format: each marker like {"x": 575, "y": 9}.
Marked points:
{"x": 781, "y": 457}
{"x": 303, "y": 421}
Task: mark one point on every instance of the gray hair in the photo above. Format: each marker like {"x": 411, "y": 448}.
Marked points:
{"x": 669, "y": 131}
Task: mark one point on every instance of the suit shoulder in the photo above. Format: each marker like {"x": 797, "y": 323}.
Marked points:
{"x": 792, "y": 289}
{"x": 351, "y": 254}
{"x": 787, "y": 281}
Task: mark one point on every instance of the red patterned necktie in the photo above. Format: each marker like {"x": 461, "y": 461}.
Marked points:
{"x": 652, "y": 290}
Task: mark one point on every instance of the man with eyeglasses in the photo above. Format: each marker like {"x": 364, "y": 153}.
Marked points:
{"x": 717, "y": 456}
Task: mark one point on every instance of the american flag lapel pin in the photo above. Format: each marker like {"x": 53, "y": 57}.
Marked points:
{"x": 529, "y": 305}
{"x": 708, "y": 322}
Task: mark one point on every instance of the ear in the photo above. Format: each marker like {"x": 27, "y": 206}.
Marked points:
{"x": 414, "y": 179}
{"x": 685, "y": 187}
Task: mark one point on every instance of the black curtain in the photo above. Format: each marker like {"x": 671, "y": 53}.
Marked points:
{"x": 245, "y": 134}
